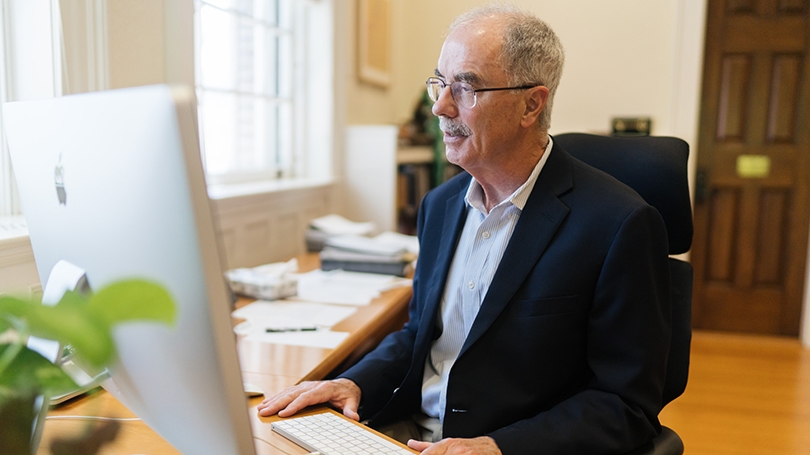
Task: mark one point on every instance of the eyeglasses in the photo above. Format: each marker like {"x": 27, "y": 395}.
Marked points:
{"x": 463, "y": 93}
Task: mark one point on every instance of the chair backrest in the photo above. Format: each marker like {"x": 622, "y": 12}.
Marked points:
{"x": 656, "y": 167}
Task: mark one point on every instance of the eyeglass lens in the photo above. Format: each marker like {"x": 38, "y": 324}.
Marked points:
{"x": 463, "y": 93}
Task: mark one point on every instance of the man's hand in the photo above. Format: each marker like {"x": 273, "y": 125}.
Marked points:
{"x": 455, "y": 446}
{"x": 340, "y": 393}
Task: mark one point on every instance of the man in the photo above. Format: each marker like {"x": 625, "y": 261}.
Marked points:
{"x": 540, "y": 316}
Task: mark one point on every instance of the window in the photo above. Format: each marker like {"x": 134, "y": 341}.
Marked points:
{"x": 252, "y": 63}
{"x": 29, "y": 69}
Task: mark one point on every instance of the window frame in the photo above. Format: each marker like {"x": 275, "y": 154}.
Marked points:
{"x": 310, "y": 56}
{"x": 21, "y": 20}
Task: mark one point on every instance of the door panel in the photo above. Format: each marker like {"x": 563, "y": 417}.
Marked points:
{"x": 751, "y": 218}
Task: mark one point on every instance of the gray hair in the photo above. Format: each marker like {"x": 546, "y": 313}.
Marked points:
{"x": 531, "y": 54}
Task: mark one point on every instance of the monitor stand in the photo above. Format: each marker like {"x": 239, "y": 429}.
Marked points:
{"x": 64, "y": 277}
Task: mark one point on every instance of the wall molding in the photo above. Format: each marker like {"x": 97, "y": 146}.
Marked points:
{"x": 269, "y": 227}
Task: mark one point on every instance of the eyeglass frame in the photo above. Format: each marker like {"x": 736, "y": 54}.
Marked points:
{"x": 474, "y": 90}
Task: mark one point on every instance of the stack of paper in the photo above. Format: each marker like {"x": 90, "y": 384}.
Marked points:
{"x": 331, "y": 225}
{"x": 363, "y": 254}
{"x": 408, "y": 242}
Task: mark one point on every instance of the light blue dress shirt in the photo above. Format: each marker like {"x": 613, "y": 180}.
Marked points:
{"x": 479, "y": 251}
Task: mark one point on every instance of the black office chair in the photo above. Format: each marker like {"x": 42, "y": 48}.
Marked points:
{"x": 656, "y": 168}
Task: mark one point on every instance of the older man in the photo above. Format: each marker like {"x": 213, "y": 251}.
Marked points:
{"x": 540, "y": 315}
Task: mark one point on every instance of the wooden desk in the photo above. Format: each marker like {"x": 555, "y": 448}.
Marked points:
{"x": 270, "y": 366}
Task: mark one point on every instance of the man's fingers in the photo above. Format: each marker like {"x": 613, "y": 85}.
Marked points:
{"x": 418, "y": 445}
{"x": 304, "y": 399}
{"x": 274, "y": 404}
{"x": 341, "y": 393}
{"x": 350, "y": 410}
{"x": 283, "y": 400}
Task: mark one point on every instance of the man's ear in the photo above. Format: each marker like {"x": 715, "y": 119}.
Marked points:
{"x": 536, "y": 99}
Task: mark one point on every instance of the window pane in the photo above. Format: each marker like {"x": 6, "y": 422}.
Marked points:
{"x": 240, "y": 133}
{"x": 239, "y": 54}
{"x": 217, "y": 112}
{"x": 265, "y": 10}
{"x": 217, "y": 50}
{"x": 246, "y": 86}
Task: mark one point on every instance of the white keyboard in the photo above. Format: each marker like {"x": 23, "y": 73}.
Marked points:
{"x": 330, "y": 434}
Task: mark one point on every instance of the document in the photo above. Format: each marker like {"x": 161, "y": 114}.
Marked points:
{"x": 347, "y": 288}
{"x": 296, "y": 323}
{"x": 324, "y": 338}
{"x": 293, "y": 314}
{"x": 337, "y": 225}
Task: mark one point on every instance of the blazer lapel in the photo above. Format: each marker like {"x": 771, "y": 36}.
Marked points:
{"x": 454, "y": 219}
{"x": 540, "y": 219}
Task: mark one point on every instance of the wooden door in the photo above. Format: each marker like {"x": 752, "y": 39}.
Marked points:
{"x": 753, "y": 182}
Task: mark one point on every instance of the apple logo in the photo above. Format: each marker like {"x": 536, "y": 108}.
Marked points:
{"x": 59, "y": 180}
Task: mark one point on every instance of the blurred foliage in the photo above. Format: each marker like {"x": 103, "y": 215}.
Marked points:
{"x": 83, "y": 323}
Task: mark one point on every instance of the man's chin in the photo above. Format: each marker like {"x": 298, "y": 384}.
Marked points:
{"x": 453, "y": 155}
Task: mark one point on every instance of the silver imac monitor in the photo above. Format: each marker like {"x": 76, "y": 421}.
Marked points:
{"x": 112, "y": 183}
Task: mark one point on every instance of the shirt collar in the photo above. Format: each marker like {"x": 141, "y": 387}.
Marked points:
{"x": 475, "y": 193}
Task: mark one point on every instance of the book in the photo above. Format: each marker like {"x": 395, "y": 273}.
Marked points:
{"x": 390, "y": 268}
{"x": 399, "y": 264}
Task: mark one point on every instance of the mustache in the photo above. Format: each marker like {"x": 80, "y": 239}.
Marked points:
{"x": 453, "y": 127}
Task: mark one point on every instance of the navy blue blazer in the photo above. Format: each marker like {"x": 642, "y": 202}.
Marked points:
{"x": 568, "y": 352}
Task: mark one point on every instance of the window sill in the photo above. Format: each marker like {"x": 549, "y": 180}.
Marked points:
{"x": 13, "y": 232}
{"x": 222, "y": 192}
{"x": 15, "y": 247}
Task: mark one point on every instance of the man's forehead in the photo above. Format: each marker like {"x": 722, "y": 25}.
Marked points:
{"x": 471, "y": 53}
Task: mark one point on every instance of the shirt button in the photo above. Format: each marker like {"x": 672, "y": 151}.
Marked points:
{"x": 485, "y": 234}
{"x": 471, "y": 285}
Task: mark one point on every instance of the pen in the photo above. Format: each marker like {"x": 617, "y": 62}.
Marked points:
{"x": 290, "y": 329}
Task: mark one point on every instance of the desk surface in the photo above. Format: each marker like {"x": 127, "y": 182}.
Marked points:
{"x": 270, "y": 366}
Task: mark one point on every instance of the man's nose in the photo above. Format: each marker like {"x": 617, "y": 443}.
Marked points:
{"x": 445, "y": 106}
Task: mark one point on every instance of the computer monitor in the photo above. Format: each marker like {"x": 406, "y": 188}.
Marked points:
{"x": 112, "y": 183}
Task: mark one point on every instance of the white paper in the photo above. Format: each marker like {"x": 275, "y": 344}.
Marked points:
{"x": 347, "y": 288}
{"x": 292, "y": 314}
{"x": 317, "y": 339}
{"x": 366, "y": 245}
{"x": 409, "y": 242}
{"x": 336, "y": 225}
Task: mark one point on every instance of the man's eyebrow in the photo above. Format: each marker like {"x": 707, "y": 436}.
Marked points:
{"x": 468, "y": 77}
{"x": 465, "y": 76}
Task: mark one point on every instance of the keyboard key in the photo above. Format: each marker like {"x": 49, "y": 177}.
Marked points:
{"x": 330, "y": 434}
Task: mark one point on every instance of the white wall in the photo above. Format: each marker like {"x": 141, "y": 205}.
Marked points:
{"x": 622, "y": 56}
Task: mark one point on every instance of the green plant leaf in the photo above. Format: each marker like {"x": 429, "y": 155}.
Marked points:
{"x": 86, "y": 325}
{"x": 132, "y": 300}
{"x": 4, "y": 324}
{"x": 68, "y": 322}
{"x": 30, "y": 373}
{"x": 9, "y": 306}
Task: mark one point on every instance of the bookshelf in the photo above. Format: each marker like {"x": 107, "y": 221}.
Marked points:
{"x": 414, "y": 179}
